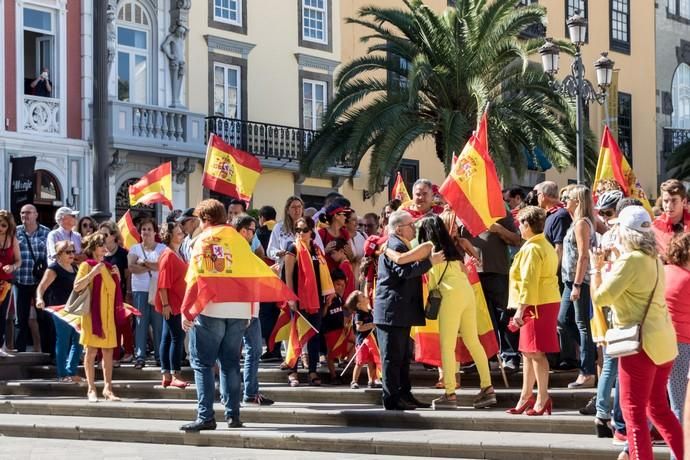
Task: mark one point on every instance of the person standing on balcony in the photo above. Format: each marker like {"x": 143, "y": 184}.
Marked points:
{"x": 42, "y": 85}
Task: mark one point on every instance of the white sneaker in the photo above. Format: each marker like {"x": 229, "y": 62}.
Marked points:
{"x": 5, "y": 354}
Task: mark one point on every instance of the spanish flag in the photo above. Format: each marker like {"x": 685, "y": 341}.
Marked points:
{"x": 130, "y": 235}
{"x": 307, "y": 290}
{"x": 338, "y": 341}
{"x": 5, "y": 288}
{"x": 375, "y": 352}
{"x": 472, "y": 188}
{"x": 281, "y": 330}
{"x": 613, "y": 165}
{"x": 223, "y": 268}
{"x": 154, "y": 187}
{"x": 399, "y": 191}
{"x": 301, "y": 331}
{"x": 230, "y": 171}
{"x": 427, "y": 341}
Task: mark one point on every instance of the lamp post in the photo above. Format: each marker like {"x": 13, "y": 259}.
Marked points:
{"x": 575, "y": 85}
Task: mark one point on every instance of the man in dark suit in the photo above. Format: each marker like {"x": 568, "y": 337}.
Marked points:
{"x": 398, "y": 306}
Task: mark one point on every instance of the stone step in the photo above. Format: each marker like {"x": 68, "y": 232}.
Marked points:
{"x": 321, "y": 438}
{"x": 19, "y": 365}
{"x": 463, "y": 418}
{"x": 142, "y": 389}
{"x": 270, "y": 373}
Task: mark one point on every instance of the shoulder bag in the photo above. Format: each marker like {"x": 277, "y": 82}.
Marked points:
{"x": 40, "y": 265}
{"x": 433, "y": 300}
{"x": 79, "y": 303}
{"x": 626, "y": 341}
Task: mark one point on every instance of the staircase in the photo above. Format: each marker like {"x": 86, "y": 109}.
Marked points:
{"x": 324, "y": 419}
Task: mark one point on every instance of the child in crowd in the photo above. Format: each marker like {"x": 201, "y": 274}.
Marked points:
{"x": 335, "y": 331}
{"x": 367, "y": 352}
{"x": 337, "y": 254}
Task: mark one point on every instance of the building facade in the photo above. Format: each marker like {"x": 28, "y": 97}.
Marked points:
{"x": 672, "y": 78}
{"x": 263, "y": 74}
{"x": 43, "y": 104}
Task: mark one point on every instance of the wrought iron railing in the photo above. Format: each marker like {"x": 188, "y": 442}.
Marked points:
{"x": 674, "y": 138}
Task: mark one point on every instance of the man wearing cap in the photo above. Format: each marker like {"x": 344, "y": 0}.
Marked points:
{"x": 32, "y": 238}
{"x": 66, "y": 218}
{"x": 189, "y": 224}
{"x": 675, "y": 218}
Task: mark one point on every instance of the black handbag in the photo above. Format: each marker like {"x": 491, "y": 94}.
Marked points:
{"x": 40, "y": 265}
{"x": 433, "y": 300}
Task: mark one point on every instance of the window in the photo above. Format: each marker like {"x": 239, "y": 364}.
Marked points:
{"x": 314, "y": 16}
{"x": 229, "y": 11}
{"x": 314, "y": 94}
{"x": 571, "y": 6}
{"x": 680, "y": 94}
{"x": 620, "y": 25}
{"x": 625, "y": 125}
{"x": 397, "y": 80}
{"x": 409, "y": 170}
{"x": 133, "y": 54}
{"x": 227, "y": 91}
{"x": 679, "y": 8}
{"x": 39, "y": 53}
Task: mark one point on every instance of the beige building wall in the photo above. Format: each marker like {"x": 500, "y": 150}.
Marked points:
{"x": 636, "y": 77}
{"x": 273, "y": 60}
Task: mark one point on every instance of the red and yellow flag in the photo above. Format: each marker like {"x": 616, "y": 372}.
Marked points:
{"x": 154, "y": 187}
{"x": 223, "y": 268}
{"x": 130, "y": 235}
{"x": 613, "y": 165}
{"x": 230, "y": 171}
{"x": 399, "y": 191}
{"x": 301, "y": 331}
{"x": 5, "y": 288}
{"x": 373, "y": 345}
{"x": 338, "y": 341}
{"x": 427, "y": 341}
{"x": 472, "y": 188}
{"x": 281, "y": 331}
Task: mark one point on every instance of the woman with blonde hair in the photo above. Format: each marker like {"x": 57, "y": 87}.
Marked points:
{"x": 581, "y": 237}
{"x": 10, "y": 261}
{"x": 98, "y": 325}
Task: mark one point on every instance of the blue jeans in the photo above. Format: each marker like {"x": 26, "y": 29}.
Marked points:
{"x": 172, "y": 341}
{"x": 67, "y": 349}
{"x": 149, "y": 316}
{"x": 607, "y": 379}
{"x": 252, "y": 355}
{"x": 578, "y": 332}
{"x": 218, "y": 339}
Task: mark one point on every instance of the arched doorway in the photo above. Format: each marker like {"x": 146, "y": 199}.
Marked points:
{"x": 122, "y": 203}
{"x": 47, "y": 196}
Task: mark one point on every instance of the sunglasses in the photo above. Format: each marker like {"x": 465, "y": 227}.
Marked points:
{"x": 86, "y": 224}
{"x": 607, "y": 212}
{"x": 302, "y": 230}
{"x": 70, "y": 252}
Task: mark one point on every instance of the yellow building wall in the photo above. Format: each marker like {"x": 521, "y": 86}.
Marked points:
{"x": 272, "y": 189}
{"x": 636, "y": 77}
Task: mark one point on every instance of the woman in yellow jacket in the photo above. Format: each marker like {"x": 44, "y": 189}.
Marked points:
{"x": 535, "y": 296}
{"x": 636, "y": 285}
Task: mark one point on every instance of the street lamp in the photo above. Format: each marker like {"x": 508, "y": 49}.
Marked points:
{"x": 575, "y": 85}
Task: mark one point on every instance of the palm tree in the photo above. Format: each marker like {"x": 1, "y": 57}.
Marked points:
{"x": 450, "y": 66}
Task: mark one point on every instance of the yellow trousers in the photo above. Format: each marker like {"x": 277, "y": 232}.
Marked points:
{"x": 458, "y": 316}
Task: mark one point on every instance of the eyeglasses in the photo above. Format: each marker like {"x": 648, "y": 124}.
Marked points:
{"x": 411, "y": 224}
{"x": 69, "y": 252}
{"x": 607, "y": 212}
{"x": 86, "y": 224}
{"x": 302, "y": 230}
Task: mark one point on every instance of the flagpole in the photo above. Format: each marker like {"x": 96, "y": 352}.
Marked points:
{"x": 307, "y": 321}
{"x": 354, "y": 355}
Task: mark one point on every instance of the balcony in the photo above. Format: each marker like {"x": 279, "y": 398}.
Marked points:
{"x": 42, "y": 115}
{"x": 674, "y": 138}
{"x": 162, "y": 130}
{"x": 280, "y": 146}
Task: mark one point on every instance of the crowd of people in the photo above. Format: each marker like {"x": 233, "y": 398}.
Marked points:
{"x": 559, "y": 270}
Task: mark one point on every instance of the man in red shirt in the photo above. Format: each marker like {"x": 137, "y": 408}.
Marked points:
{"x": 675, "y": 218}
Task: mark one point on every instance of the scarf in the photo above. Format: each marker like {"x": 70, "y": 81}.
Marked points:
{"x": 97, "y": 284}
{"x": 307, "y": 290}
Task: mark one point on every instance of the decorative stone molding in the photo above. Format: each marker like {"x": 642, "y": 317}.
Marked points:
{"x": 182, "y": 170}
{"x": 216, "y": 43}
{"x": 118, "y": 162}
{"x": 307, "y": 62}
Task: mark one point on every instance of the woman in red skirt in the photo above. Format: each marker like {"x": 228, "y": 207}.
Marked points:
{"x": 535, "y": 296}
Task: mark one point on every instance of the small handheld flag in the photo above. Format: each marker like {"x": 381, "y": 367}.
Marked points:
{"x": 130, "y": 235}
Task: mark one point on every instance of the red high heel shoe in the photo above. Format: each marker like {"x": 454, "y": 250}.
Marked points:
{"x": 529, "y": 404}
{"x": 548, "y": 406}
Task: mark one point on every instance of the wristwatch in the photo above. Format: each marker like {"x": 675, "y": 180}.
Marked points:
{"x": 577, "y": 285}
